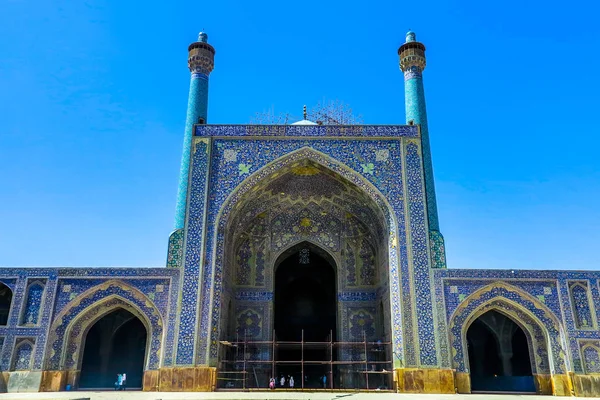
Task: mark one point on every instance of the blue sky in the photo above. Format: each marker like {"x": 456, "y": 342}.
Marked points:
{"x": 93, "y": 99}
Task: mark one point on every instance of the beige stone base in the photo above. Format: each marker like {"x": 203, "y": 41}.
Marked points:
{"x": 423, "y": 380}
{"x": 184, "y": 379}
{"x": 543, "y": 383}
{"x": 53, "y": 381}
{"x": 462, "y": 380}
{"x": 586, "y": 385}
{"x": 561, "y": 385}
{"x": 56, "y": 381}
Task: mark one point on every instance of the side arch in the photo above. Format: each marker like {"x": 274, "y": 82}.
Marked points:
{"x": 544, "y": 331}
{"x": 67, "y": 333}
{"x": 206, "y": 350}
{"x": 6, "y": 303}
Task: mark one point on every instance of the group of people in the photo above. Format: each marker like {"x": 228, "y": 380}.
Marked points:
{"x": 282, "y": 382}
{"x": 121, "y": 382}
{"x": 290, "y": 382}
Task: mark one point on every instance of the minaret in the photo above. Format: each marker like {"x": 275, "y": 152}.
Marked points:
{"x": 201, "y": 63}
{"x": 412, "y": 63}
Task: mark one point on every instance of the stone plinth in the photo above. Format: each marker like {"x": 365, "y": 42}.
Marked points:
{"x": 421, "y": 380}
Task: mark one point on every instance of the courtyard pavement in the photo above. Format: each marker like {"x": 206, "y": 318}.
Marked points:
{"x": 276, "y": 395}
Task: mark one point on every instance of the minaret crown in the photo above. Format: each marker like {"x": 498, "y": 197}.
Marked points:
{"x": 412, "y": 55}
{"x": 201, "y": 56}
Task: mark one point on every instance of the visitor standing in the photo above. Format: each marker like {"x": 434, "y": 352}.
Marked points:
{"x": 324, "y": 381}
{"x": 291, "y": 382}
{"x": 272, "y": 383}
{"x": 282, "y": 381}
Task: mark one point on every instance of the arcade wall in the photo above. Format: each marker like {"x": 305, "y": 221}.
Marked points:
{"x": 51, "y": 309}
{"x": 560, "y": 308}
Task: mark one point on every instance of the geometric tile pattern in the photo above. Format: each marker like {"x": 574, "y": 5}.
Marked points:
{"x": 22, "y": 356}
{"x": 175, "y": 251}
{"x": 33, "y": 304}
{"x": 582, "y": 312}
{"x": 590, "y": 351}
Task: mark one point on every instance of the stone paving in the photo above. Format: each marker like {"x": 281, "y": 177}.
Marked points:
{"x": 276, "y": 395}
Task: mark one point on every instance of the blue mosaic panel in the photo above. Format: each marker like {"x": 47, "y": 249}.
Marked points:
{"x": 591, "y": 358}
{"x": 357, "y": 296}
{"x": 247, "y": 295}
{"x": 22, "y": 357}
{"x": 175, "y": 250}
{"x": 193, "y": 256}
{"x": 438, "y": 250}
{"x": 361, "y": 323}
{"x": 581, "y": 306}
{"x": 71, "y": 288}
{"x": 249, "y": 322}
{"x": 308, "y": 130}
{"x": 41, "y": 337}
{"x": 440, "y": 309}
{"x": 33, "y": 304}
{"x": 420, "y": 252}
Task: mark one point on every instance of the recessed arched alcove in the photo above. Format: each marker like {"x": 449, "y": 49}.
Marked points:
{"x": 5, "y": 302}
{"x": 499, "y": 355}
{"x": 115, "y": 344}
{"x": 305, "y": 295}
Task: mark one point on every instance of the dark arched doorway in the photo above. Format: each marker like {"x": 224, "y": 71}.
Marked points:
{"x": 5, "y": 301}
{"x": 115, "y": 344}
{"x": 499, "y": 355}
{"x": 305, "y": 308}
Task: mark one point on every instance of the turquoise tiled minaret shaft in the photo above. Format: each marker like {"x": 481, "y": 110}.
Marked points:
{"x": 201, "y": 63}
{"x": 412, "y": 63}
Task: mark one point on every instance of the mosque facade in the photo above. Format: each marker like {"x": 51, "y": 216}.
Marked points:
{"x": 303, "y": 250}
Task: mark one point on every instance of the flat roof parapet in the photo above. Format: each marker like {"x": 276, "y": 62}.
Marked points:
{"x": 308, "y": 130}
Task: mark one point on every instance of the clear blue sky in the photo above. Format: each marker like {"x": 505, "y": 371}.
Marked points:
{"x": 93, "y": 99}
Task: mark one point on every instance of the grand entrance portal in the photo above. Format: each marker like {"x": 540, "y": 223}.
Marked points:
{"x": 499, "y": 355}
{"x": 115, "y": 344}
{"x": 305, "y": 284}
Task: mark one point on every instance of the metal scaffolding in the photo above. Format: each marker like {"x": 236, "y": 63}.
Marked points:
{"x": 246, "y": 364}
